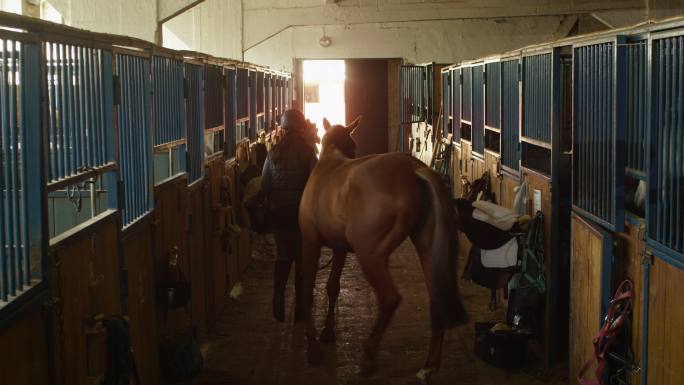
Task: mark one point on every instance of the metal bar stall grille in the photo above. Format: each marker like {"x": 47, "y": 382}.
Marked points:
{"x": 242, "y": 93}
{"x": 637, "y": 73}
{"x": 167, "y": 79}
{"x": 213, "y": 107}
{"x": 213, "y": 94}
{"x": 666, "y": 179}
{"x": 135, "y": 142}
{"x": 428, "y": 92}
{"x": 230, "y": 111}
{"x": 456, "y": 103}
{"x": 596, "y": 140}
{"x": 253, "y": 104}
{"x": 466, "y": 92}
{"x": 194, "y": 111}
{"x": 412, "y": 94}
{"x": 537, "y": 81}
{"x": 493, "y": 94}
{"x": 77, "y": 109}
{"x": 21, "y": 249}
{"x": 446, "y": 102}
{"x": 478, "y": 110}
{"x": 510, "y": 134}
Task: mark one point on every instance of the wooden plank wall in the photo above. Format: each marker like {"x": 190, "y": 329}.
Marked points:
{"x": 509, "y": 183}
{"x": 86, "y": 278}
{"x": 491, "y": 164}
{"x": 138, "y": 250}
{"x": 585, "y": 285}
{"x": 536, "y": 181}
{"x": 629, "y": 265}
{"x": 231, "y": 175}
{"x": 216, "y": 250}
{"x": 26, "y": 362}
{"x": 666, "y": 317}
{"x": 196, "y": 254}
{"x": 170, "y": 234}
{"x": 456, "y": 171}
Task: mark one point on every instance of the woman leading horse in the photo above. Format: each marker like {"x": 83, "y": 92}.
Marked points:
{"x": 369, "y": 206}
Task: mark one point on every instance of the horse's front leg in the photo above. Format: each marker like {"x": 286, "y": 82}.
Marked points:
{"x": 311, "y": 253}
{"x": 333, "y": 289}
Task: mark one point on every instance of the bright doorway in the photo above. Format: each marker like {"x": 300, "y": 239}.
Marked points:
{"x": 324, "y": 92}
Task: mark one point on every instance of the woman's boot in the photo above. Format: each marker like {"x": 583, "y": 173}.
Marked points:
{"x": 280, "y": 275}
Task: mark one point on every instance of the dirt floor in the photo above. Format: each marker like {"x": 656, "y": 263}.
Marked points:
{"x": 249, "y": 347}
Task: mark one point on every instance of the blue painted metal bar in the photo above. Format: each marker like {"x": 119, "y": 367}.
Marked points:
{"x": 666, "y": 216}
{"x": 598, "y": 143}
{"x": 230, "y": 101}
{"x": 493, "y": 95}
{"x": 456, "y": 103}
{"x": 537, "y": 82}
{"x": 466, "y": 94}
{"x": 510, "y": 105}
{"x": 636, "y": 105}
{"x": 20, "y": 175}
{"x": 51, "y": 55}
{"x": 195, "y": 121}
{"x": 478, "y": 109}
{"x": 446, "y": 102}
{"x": 168, "y": 100}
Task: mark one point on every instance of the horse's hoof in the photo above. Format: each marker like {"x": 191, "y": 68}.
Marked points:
{"x": 314, "y": 354}
{"x": 424, "y": 375}
{"x": 327, "y": 336}
{"x": 368, "y": 366}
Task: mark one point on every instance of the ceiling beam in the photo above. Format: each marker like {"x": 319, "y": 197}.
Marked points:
{"x": 168, "y": 9}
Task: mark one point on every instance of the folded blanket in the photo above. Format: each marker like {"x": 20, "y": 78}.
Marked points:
{"x": 498, "y": 216}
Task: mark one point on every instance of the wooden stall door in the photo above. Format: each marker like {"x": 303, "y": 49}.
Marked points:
{"x": 365, "y": 93}
{"x": 170, "y": 235}
{"x": 85, "y": 276}
{"x": 138, "y": 249}
{"x": 26, "y": 362}
{"x": 666, "y": 317}
{"x": 629, "y": 265}
{"x": 214, "y": 223}
{"x": 590, "y": 285}
{"x": 196, "y": 253}
{"x": 456, "y": 171}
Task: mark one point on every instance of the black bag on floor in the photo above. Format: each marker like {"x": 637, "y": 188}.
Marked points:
{"x": 180, "y": 358}
{"x": 121, "y": 366}
{"x": 503, "y": 348}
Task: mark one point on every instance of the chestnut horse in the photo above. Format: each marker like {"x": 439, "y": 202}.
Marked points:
{"x": 369, "y": 206}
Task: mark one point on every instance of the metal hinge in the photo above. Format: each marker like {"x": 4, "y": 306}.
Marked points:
{"x": 647, "y": 257}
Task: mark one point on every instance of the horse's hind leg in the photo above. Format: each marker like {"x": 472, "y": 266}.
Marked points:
{"x": 333, "y": 289}
{"x": 376, "y": 272}
{"x": 422, "y": 241}
{"x": 311, "y": 253}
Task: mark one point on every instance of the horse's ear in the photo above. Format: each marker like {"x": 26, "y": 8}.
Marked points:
{"x": 354, "y": 125}
{"x": 326, "y": 124}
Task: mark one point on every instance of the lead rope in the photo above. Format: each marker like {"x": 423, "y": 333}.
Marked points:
{"x": 616, "y": 317}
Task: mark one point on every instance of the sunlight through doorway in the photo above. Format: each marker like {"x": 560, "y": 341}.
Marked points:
{"x": 324, "y": 92}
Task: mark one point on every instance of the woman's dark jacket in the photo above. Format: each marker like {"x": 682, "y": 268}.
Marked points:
{"x": 286, "y": 170}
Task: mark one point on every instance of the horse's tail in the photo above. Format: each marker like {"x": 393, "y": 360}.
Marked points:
{"x": 445, "y": 303}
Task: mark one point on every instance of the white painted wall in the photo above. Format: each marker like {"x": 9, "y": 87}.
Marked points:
{"x": 416, "y": 42}
{"x": 212, "y": 27}
{"x": 446, "y": 31}
{"x": 136, "y": 18}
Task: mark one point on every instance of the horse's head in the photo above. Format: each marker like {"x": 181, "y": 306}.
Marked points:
{"x": 340, "y": 137}
{"x": 311, "y": 133}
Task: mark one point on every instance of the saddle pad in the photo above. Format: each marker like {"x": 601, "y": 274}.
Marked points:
{"x": 499, "y": 216}
{"x": 504, "y": 256}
